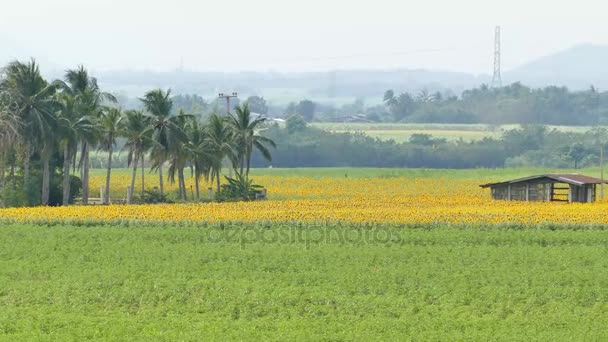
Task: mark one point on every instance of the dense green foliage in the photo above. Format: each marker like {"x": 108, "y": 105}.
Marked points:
{"x": 529, "y": 145}
{"x": 512, "y": 104}
{"x": 515, "y": 103}
{"x": 42, "y": 122}
{"x": 294, "y": 283}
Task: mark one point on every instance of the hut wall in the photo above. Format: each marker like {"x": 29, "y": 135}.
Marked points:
{"x": 500, "y": 192}
{"x": 518, "y": 191}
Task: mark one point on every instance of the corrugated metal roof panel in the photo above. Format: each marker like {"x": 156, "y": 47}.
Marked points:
{"x": 570, "y": 178}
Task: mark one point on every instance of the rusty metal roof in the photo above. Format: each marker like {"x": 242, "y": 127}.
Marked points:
{"x": 569, "y": 178}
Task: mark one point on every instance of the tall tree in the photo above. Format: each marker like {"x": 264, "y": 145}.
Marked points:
{"x": 257, "y": 104}
{"x": 110, "y": 129}
{"x": 179, "y": 156}
{"x": 219, "y": 142}
{"x": 36, "y": 110}
{"x": 306, "y": 108}
{"x": 139, "y": 140}
{"x": 246, "y": 137}
{"x": 200, "y": 156}
{"x": 166, "y": 131}
{"x": 73, "y": 126}
{"x": 9, "y": 129}
{"x": 91, "y": 102}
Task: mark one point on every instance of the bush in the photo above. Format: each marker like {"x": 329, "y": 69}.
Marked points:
{"x": 240, "y": 188}
{"x": 56, "y": 192}
{"x": 13, "y": 196}
{"x": 152, "y": 197}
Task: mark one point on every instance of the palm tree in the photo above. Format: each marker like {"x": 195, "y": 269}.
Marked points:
{"x": 73, "y": 127}
{"x": 9, "y": 130}
{"x": 179, "y": 156}
{"x": 200, "y": 157}
{"x": 139, "y": 140}
{"x": 110, "y": 129}
{"x": 35, "y": 108}
{"x": 219, "y": 144}
{"x": 91, "y": 101}
{"x": 246, "y": 137}
{"x": 166, "y": 131}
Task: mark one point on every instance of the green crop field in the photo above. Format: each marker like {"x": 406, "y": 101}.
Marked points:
{"x": 364, "y": 172}
{"x": 402, "y": 132}
{"x": 67, "y": 283}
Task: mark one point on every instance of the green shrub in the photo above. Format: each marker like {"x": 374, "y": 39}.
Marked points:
{"x": 239, "y": 188}
{"x": 152, "y": 197}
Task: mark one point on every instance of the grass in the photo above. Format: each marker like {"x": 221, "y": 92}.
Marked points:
{"x": 402, "y": 132}
{"x": 302, "y": 283}
{"x": 364, "y": 172}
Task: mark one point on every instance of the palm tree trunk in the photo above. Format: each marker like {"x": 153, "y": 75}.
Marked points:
{"x": 242, "y": 160}
{"x": 160, "y": 178}
{"x": 2, "y": 172}
{"x": 106, "y": 193}
{"x": 46, "y": 176}
{"x": 132, "y": 192}
{"x": 182, "y": 184}
{"x": 196, "y": 186}
{"x": 66, "y": 175}
{"x": 217, "y": 179}
{"x": 11, "y": 175}
{"x": 142, "y": 175}
{"x": 26, "y": 168}
{"x": 248, "y": 162}
{"x": 85, "y": 175}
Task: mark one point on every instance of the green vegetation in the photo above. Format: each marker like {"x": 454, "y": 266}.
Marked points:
{"x": 363, "y": 172}
{"x": 514, "y": 103}
{"x": 291, "y": 283}
{"x": 43, "y": 125}
{"x": 522, "y": 146}
{"x": 401, "y": 132}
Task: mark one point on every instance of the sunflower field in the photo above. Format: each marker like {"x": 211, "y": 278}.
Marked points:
{"x": 326, "y": 200}
{"x": 323, "y": 258}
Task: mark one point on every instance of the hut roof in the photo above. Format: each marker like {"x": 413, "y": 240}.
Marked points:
{"x": 569, "y": 178}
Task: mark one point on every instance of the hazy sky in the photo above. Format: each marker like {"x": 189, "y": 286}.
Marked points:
{"x": 287, "y": 35}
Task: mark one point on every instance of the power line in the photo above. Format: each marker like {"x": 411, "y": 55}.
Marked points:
{"x": 376, "y": 54}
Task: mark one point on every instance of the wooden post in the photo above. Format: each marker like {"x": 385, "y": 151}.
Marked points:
{"x": 101, "y": 194}
{"x": 527, "y": 192}
{"x": 509, "y": 192}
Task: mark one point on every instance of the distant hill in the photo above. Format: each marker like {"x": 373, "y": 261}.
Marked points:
{"x": 284, "y": 87}
{"x": 577, "y": 68}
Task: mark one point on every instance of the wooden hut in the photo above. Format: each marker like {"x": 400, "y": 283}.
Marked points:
{"x": 548, "y": 187}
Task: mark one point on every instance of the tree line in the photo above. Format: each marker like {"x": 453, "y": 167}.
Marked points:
{"x": 514, "y": 103}
{"x": 527, "y": 146}
{"x": 48, "y": 129}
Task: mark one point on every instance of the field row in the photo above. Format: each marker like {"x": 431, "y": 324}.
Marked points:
{"x": 166, "y": 284}
{"x": 361, "y": 201}
{"x": 402, "y": 132}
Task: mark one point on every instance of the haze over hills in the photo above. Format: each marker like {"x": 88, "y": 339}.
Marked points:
{"x": 577, "y": 68}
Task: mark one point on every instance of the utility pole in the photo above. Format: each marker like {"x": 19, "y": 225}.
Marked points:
{"x": 496, "y": 78}
{"x": 227, "y": 97}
